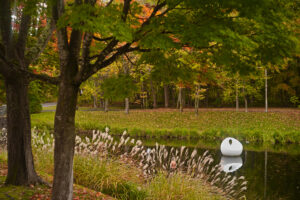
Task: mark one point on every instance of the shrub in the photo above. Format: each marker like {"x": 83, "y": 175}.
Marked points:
{"x": 35, "y": 105}
{"x": 35, "y": 97}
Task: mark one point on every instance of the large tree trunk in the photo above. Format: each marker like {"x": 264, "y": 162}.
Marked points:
{"x": 64, "y": 130}
{"x": 166, "y": 93}
{"x": 126, "y": 105}
{"x": 266, "y": 90}
{"x": 20, "y": 160}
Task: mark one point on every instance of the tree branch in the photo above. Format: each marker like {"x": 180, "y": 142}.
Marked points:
{"x": 87, "y": 68}
{"x": 5, "y": 70}
{"x": 5, "y": 25}
{"x": 102, "y": 39}
{"x": 9, "y": 70}
{"x": 129, "y": 59}
{"x": 22, "y": 37}
{"x": 93, "y": 68}
{"x": 139, "y": 49}
{"x": 109, "y": 3}
{"x": 43, "y": 77}
{"x": 87, "y": 40}
{"x": 34, "y": 53}
{"x": 62, "y": 37}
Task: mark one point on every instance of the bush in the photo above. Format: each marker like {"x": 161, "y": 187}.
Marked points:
{"x": 35, "y": 97}
{"x": 35, "y": 105}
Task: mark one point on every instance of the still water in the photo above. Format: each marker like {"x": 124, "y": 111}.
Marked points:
{"x": 272, "y": 172}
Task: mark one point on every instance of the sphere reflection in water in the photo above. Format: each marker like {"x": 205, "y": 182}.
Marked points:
{"x": 231, "y": 164}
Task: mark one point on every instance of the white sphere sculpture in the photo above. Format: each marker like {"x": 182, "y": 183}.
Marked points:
{"x": 231, "y": 147}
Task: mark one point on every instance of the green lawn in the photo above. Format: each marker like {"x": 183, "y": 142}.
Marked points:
{"x": 272, "y": 127}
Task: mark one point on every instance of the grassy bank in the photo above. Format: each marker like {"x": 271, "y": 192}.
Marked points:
{"x": 40, "y": 192}
{"x": 96, "y": 178}
{"x": 275, "y": 127}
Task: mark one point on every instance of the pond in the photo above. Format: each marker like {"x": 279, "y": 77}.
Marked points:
{"x": 271, "y": 172}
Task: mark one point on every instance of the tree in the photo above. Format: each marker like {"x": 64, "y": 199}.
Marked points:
{"x": 118, "y": 87}
{"x": 19, "y": 47}
{"x": 166, "y": 25}
{"x": 129, "y": 85}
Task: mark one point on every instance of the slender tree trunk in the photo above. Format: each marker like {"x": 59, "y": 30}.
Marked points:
{"x": 266, "y": 90}
{"x": 126, "y": 71}
{"x": 197, "y": 100}
{"x": 245, "y": 99}
{"x": 236, "y": 96}
{"x": 180, "y": 100}
{"x": 95, "y": 101}
{"x": 64, "y": 131}
{"x": 102, "y": 103}
{"x": 183, "y": 92}
{"x": 154, "y": 99}
{"x": 127, "y": 105}
{"x": 20, "y": 160}
{"x": 153, "y": 94}
{"x": 106, "y": 105}
{"x": 196, "y": 106}
{"x": 166, "y": 93}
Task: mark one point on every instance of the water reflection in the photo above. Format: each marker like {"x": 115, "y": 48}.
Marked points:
{"x": 231, "y": 164}
{"x": 271, "y": 174}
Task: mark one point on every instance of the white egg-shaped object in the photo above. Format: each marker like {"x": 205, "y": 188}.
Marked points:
{"x": 231, "y": 147}
{"x": 231, "y": 164}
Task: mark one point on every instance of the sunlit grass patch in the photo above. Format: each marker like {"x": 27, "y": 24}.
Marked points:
{"x": 274, "y": 127}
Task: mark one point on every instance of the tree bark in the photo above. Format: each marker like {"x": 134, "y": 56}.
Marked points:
{"x": 126, "y": 105}
{"x": 166, "y": 93}
{"x": 20, "y": 160}
{"x": 266, "y": 90}
{"x": 106, "y": 105}
{"x": 64, "y": 131}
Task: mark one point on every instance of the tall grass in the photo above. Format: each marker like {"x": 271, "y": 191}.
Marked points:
{"x": 179, "y": 186}
{"x": 110, "y": 177}
{"x": 121, "y": 170}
